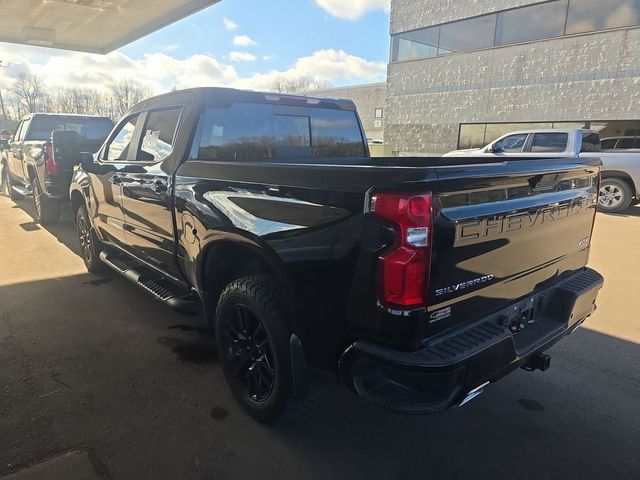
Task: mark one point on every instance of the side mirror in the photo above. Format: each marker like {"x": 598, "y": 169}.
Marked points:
{"x": 495, "y": 149}
{"x": 11, "y": 139}
{"x": 86, "y": 161}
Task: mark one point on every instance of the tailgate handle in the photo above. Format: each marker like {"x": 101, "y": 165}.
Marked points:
{"x": 541, "y": 183}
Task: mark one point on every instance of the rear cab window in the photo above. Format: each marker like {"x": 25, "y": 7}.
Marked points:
{"x": 88, "y": 129}
{"x": 254, "y": 131}
{"x": 549, "y": 142}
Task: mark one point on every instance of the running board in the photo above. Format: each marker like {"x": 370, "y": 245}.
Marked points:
{"x": 163, "y": 289}
{"x": 21, "y": 191}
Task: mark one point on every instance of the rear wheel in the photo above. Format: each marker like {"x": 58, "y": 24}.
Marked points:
{"x": 252, "y": 336}
{"x": 47, "y": 209}
{"x": 90, "y": 246}
{"x": 615, "y": 195}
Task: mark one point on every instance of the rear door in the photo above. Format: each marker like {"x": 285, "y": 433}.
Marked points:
{"x": 503, "y": 231}
{"x": 146, "y": 187}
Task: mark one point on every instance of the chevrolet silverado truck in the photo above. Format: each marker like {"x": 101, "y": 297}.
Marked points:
{"x": 38, "y": 161}
{"x": 620, "y": 185}
{"x": 417, "y": 282}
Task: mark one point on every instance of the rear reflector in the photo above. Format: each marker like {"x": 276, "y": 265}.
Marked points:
{"x": 405, "y": 269}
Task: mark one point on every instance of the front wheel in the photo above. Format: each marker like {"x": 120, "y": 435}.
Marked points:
{"x": 252, "y": 336}
{"x": 614, "y": 196}
{"x": 90, "y": 246}
{"x": 47, "y": 209}
{"x": 5, "y": 184}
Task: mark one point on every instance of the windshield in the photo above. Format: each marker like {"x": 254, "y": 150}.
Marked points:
{"x": 88, "y": 129}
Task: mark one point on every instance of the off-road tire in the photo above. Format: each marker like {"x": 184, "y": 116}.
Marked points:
{"x": 90, "y": 246}
{"x": 47, "y": 209}
{"x": 259, "y": 295}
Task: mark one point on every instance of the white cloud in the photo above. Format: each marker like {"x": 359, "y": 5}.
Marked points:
{"x": 242, "y": 57}
{"x": 267, "y": 57}
{"x": 172, "y": 47}
{"x": 352, "y": 9}
{"x": 160, "y": 71}
{"x": 229, "y": 24}
{"x": 324, "y": 66}
{"x": 244, "y": 41}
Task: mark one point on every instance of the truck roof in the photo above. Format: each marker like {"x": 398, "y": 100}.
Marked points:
{"x": 552, "y": 130}
{"x": 252, "y": 96}
{"x": 70, "y": 115}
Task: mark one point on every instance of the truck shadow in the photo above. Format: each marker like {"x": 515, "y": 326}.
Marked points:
{"x": 64, "y": 230}
{"x": 633, "y": 211}
{"x": 116, "y": 386}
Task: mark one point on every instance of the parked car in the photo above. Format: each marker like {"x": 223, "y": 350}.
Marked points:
{"x": 620, "y": 143}
{"x": 620, "y": 186}
{"x": 40, "y": 158}
{"x": 417, "y": 282}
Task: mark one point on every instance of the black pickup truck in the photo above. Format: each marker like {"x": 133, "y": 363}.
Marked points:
{"x": 416, "y": 281}
{"x": 39, "y": 158}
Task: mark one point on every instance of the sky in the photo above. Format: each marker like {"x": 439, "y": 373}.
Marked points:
{"x": 236, "y": 43}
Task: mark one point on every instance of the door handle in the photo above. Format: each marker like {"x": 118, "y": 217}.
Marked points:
{"x": 159, "y": 186}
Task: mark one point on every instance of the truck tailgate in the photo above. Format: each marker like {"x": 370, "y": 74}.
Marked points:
{"x": 504, "y": 230}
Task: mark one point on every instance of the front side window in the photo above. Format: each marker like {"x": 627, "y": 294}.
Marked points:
{"x": 511, "y": 144}
{"x": 158, "y": 135}
{"x": 549, "y": 142}
{"x": 118, "y": 148}
{"x": 247, "y": 131}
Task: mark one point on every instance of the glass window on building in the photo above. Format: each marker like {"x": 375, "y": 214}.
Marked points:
{"x": 378, "y": 113}
{"x": 531, "y": 23}
{"x": 472, "y": 136}
{"x": 591, "y": 15}
{"x": 470, "y": 34}
{"x": 417, "y": 44}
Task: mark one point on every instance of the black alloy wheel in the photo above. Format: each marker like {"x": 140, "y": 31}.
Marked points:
{"x": 248, "y": 352}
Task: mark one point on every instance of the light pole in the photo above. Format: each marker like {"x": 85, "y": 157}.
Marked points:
{"x": 4, "y": 113}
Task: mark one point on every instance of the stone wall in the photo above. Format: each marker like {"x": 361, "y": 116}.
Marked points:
{"x": 585, "y": 77}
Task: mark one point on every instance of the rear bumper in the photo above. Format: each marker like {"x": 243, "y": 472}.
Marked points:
{"x": 448, "y": 367}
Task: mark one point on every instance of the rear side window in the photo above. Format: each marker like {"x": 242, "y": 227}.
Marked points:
{"x": 626, "y": 143}
{"x": 246, "y": 131}
{"x": 158, "y": 135}
{"x": 549, "y": 142}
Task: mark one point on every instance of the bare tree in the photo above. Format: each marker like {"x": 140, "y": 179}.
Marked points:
{"x": 297, "y": 85}
{"x": 29, "y": 90}
{"x": 125, "y": 94}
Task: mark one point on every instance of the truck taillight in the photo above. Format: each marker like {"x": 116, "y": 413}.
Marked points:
{"x": 406, "y": 268}
{"x": 50, "y": 164}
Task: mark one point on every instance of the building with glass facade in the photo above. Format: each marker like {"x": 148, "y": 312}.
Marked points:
{"x": 463, "y": 72}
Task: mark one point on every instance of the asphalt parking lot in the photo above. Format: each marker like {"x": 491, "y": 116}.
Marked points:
{"x": 94, "y": 367}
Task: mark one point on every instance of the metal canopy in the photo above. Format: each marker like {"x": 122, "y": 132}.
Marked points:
{"x": 97, "y": 26}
